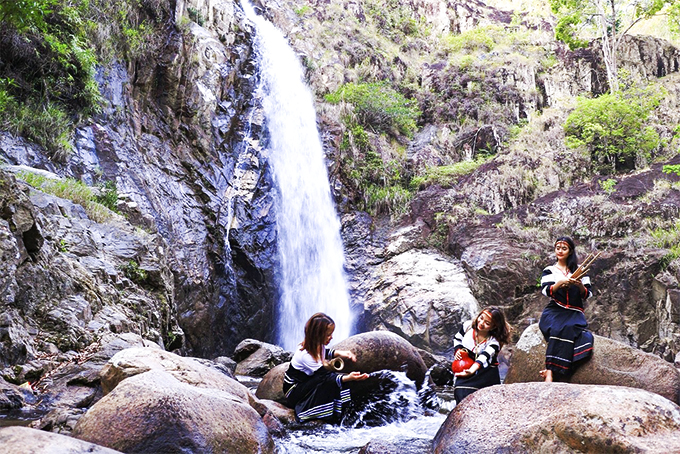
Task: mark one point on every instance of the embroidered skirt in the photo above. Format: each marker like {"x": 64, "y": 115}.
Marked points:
{"x": 319, "y": 396}
{"x": 463, "y": 387}
{"x": 568, "y": 339}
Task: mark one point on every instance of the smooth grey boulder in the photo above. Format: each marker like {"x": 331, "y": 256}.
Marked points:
{"x": 612, "y": 363}
{"x": 16, "y": 439}
{"x": 163, "y": 414}
{"x": 560, "y": 418}
{"x": 255, "y": 358}
{"x": 383, "y": 350}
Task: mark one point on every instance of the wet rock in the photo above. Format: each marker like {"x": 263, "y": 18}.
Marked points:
{"x": 281, "y": 412}
{"x": 612, "y": 363}
{"x": 23, "y": 439}
{"x": 11, "y": 396}
{"x": 271, "y": 386}
{"x": 383, "y": 350}
{"x": 560, "y": 418}
{"x": 256, "y": 358}
{"x": 164, "y": 414}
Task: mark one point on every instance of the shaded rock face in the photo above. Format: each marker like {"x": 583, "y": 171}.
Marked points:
{"x": 560, "y": 418}
{"x": 70, "y": 280}
{"x": 172, "y": 136}
{"x": 612, "y": 363}
{"x": 163, "y": 414}
{"x": 23, "y": 439}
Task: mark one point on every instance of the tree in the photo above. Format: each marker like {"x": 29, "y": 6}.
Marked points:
{"x": 614, "y": 127}
{"x": 23, "y": 14}
{"x": 608, "y": 20}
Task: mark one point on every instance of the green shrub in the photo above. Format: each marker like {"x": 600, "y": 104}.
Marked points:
{"x": 672, "y": 169}
{"x": 196, "y": 16}
{"x": 133, "y": 272}
{"x": 613, "y": 128}
{"x": 379, "y": 107}
{"x": 608, "y": 185}
{"x": 108, "y": 195}
{"x": 70, "y": 189}
{"x": 386, "y": 199}
{"x": 477, "y": 39}
{"x": 445, "y": 176}
{"x": 667, "y": 239}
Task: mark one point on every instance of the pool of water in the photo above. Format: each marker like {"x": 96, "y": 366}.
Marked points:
{"x": 329, "y": 439}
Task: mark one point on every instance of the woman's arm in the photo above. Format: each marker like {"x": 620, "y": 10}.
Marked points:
{"x": 484, "y": 358}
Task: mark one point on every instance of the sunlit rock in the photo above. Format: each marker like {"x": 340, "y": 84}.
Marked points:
{"x": 164, "y": 414}
{"x": 560, "y": 418}
{"x": 612, "y": 363}
{"x": 17, "y": 439}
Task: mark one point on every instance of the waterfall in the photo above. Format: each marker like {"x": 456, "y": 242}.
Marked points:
{"x": 310, "y": 249}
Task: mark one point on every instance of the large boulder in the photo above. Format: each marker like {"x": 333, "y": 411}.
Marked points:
{"x": 70, "y": 383}
{"x": 560, "y": 418}
{"x": 22, "y": 439}
{"x": 383, "y": 350}
{"x": 256, "y": 358}
{"x": 164, "y": 414}
{"x": 271, "y": 386}
{"x": 137, "y": 360}
{"x": 612, "y": 363}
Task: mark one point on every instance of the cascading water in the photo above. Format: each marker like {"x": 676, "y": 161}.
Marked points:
{"x": 308, "y": 230}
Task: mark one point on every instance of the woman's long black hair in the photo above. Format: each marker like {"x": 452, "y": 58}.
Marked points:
{"x": 572, "y": 259}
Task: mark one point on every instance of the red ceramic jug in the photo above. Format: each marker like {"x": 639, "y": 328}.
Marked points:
{"x": 463, "y": 363}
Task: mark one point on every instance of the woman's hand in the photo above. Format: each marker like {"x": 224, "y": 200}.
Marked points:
{"x": 580, "y": 285}
{"x": 354, "y": 376}
{"x": 564, "y": 282}
{"x": 457, "y": 356}
{"x": 469, "y": 371}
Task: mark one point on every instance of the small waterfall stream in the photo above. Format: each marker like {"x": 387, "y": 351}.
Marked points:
{"x": 308, "y": 230}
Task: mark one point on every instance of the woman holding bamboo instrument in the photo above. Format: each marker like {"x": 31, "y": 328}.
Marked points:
{"x": 562, "y": 322}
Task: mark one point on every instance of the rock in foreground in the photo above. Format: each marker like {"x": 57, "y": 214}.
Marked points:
{"x": 22, "y": 439}
{"x": 612, "y": 363}
{"x": 560, "y": 418}
{"x": 155, "y": 412}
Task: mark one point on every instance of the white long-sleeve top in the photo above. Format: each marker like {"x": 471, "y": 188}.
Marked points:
{"x": 485, "y": 353}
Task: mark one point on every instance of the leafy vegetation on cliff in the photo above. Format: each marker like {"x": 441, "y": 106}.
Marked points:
{"x": 49, "y": 52}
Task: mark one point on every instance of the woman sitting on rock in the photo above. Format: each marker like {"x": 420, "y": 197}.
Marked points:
{"x": 562, "y": 322}
{"x": 314, "y": 391}
{"x": 481, "y": 339}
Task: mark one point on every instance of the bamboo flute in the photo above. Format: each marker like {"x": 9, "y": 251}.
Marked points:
{"x": 585, "y": 266}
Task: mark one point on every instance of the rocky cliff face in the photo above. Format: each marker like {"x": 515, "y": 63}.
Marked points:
{"x": 182, "y": 136}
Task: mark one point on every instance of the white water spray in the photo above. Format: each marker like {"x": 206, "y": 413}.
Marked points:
{"x": 308, "y": 230}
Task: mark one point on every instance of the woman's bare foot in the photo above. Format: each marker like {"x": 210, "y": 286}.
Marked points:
{"x": 547, "y": 375}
